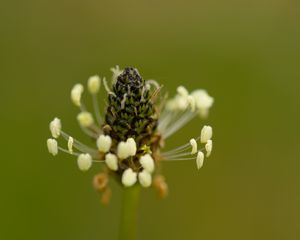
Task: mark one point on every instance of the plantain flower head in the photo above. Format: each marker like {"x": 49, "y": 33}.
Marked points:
{"x": 130, "y": 134}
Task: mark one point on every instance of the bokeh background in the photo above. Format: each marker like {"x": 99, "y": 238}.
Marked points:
{"x": 245, "y": 53}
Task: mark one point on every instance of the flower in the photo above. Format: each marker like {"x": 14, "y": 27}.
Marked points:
{"x": 130, "y": 134}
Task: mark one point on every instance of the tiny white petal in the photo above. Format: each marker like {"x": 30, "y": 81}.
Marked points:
{"x": 200, "y": 159}
{"x": 70, "y": 144}
{"x": 147, "y": 163}
{"x": 206, "y": 134}
{"x": 129, "y": 177}
{"x": 84, "y": 161}
{"x": 52, "y": 146}
{"x": 182, "y": 91}
{"x": 85, "y": 119}
{"x": 55, "y": 127}
{"x": 104, "y": 143}
{"x": 122, "y": 150}
{"x": 145, "y": 178}
{"x": 208, "y": 147}
{"x": 76, "y": 93}
{"x": 111, "y": 161}
{"x": 194, "y": 146}
{"x": 131, "y": 144}
{"x": 94, "y": 84}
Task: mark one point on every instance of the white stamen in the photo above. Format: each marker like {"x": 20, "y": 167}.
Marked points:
{"x": 192, "y": 103}
{"x": 85, "y": 119}
{"x": 70, "y": 144}
{"x": 84, "y": 161}
{"x": 208, "y": 147}
{"x": 55, "y": 127}
{"x": 131, "y": 144}
{"x": 126, "y": 149}
{"x": 147, "y": 163}
{"x": 68, "y": 152}
{"x": 180, "y": 103}
{"x": 94, "y": 83}
{"x": 200, "y": 159}
{"x": 179, "y": 124}
{"x": 145, "y": 179}
{"x": 206, "y": 134}
{"x": 52, "y": 146}
{"x": 122, "y": 150}
{"x": 80, "y": 146}
{"x": 104, "y": 143}
{"x": 182, "y": 91}
{"x": 76, "y": 93}
{"x": 194, "y": 146}
{"x": 129, "y": 177}
{"x": 111, "y": 161}
{"x": 153, "y": 83}
{"x": 203, "y": 101}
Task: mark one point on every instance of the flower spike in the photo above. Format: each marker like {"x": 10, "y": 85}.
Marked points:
{"x": 130, "y": 135}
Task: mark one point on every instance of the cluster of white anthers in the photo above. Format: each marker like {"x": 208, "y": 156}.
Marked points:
{"x": 176, "y": 113}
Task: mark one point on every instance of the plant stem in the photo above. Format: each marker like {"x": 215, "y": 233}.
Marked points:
{"x": 128, "y": 224}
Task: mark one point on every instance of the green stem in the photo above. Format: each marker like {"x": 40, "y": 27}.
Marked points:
{"x": 128, "y": 224}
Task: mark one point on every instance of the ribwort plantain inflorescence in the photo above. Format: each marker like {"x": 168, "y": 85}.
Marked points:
{"x": 130, "y": 136}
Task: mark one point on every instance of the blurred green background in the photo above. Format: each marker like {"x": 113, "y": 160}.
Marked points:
{"x": 245, "y": 53}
